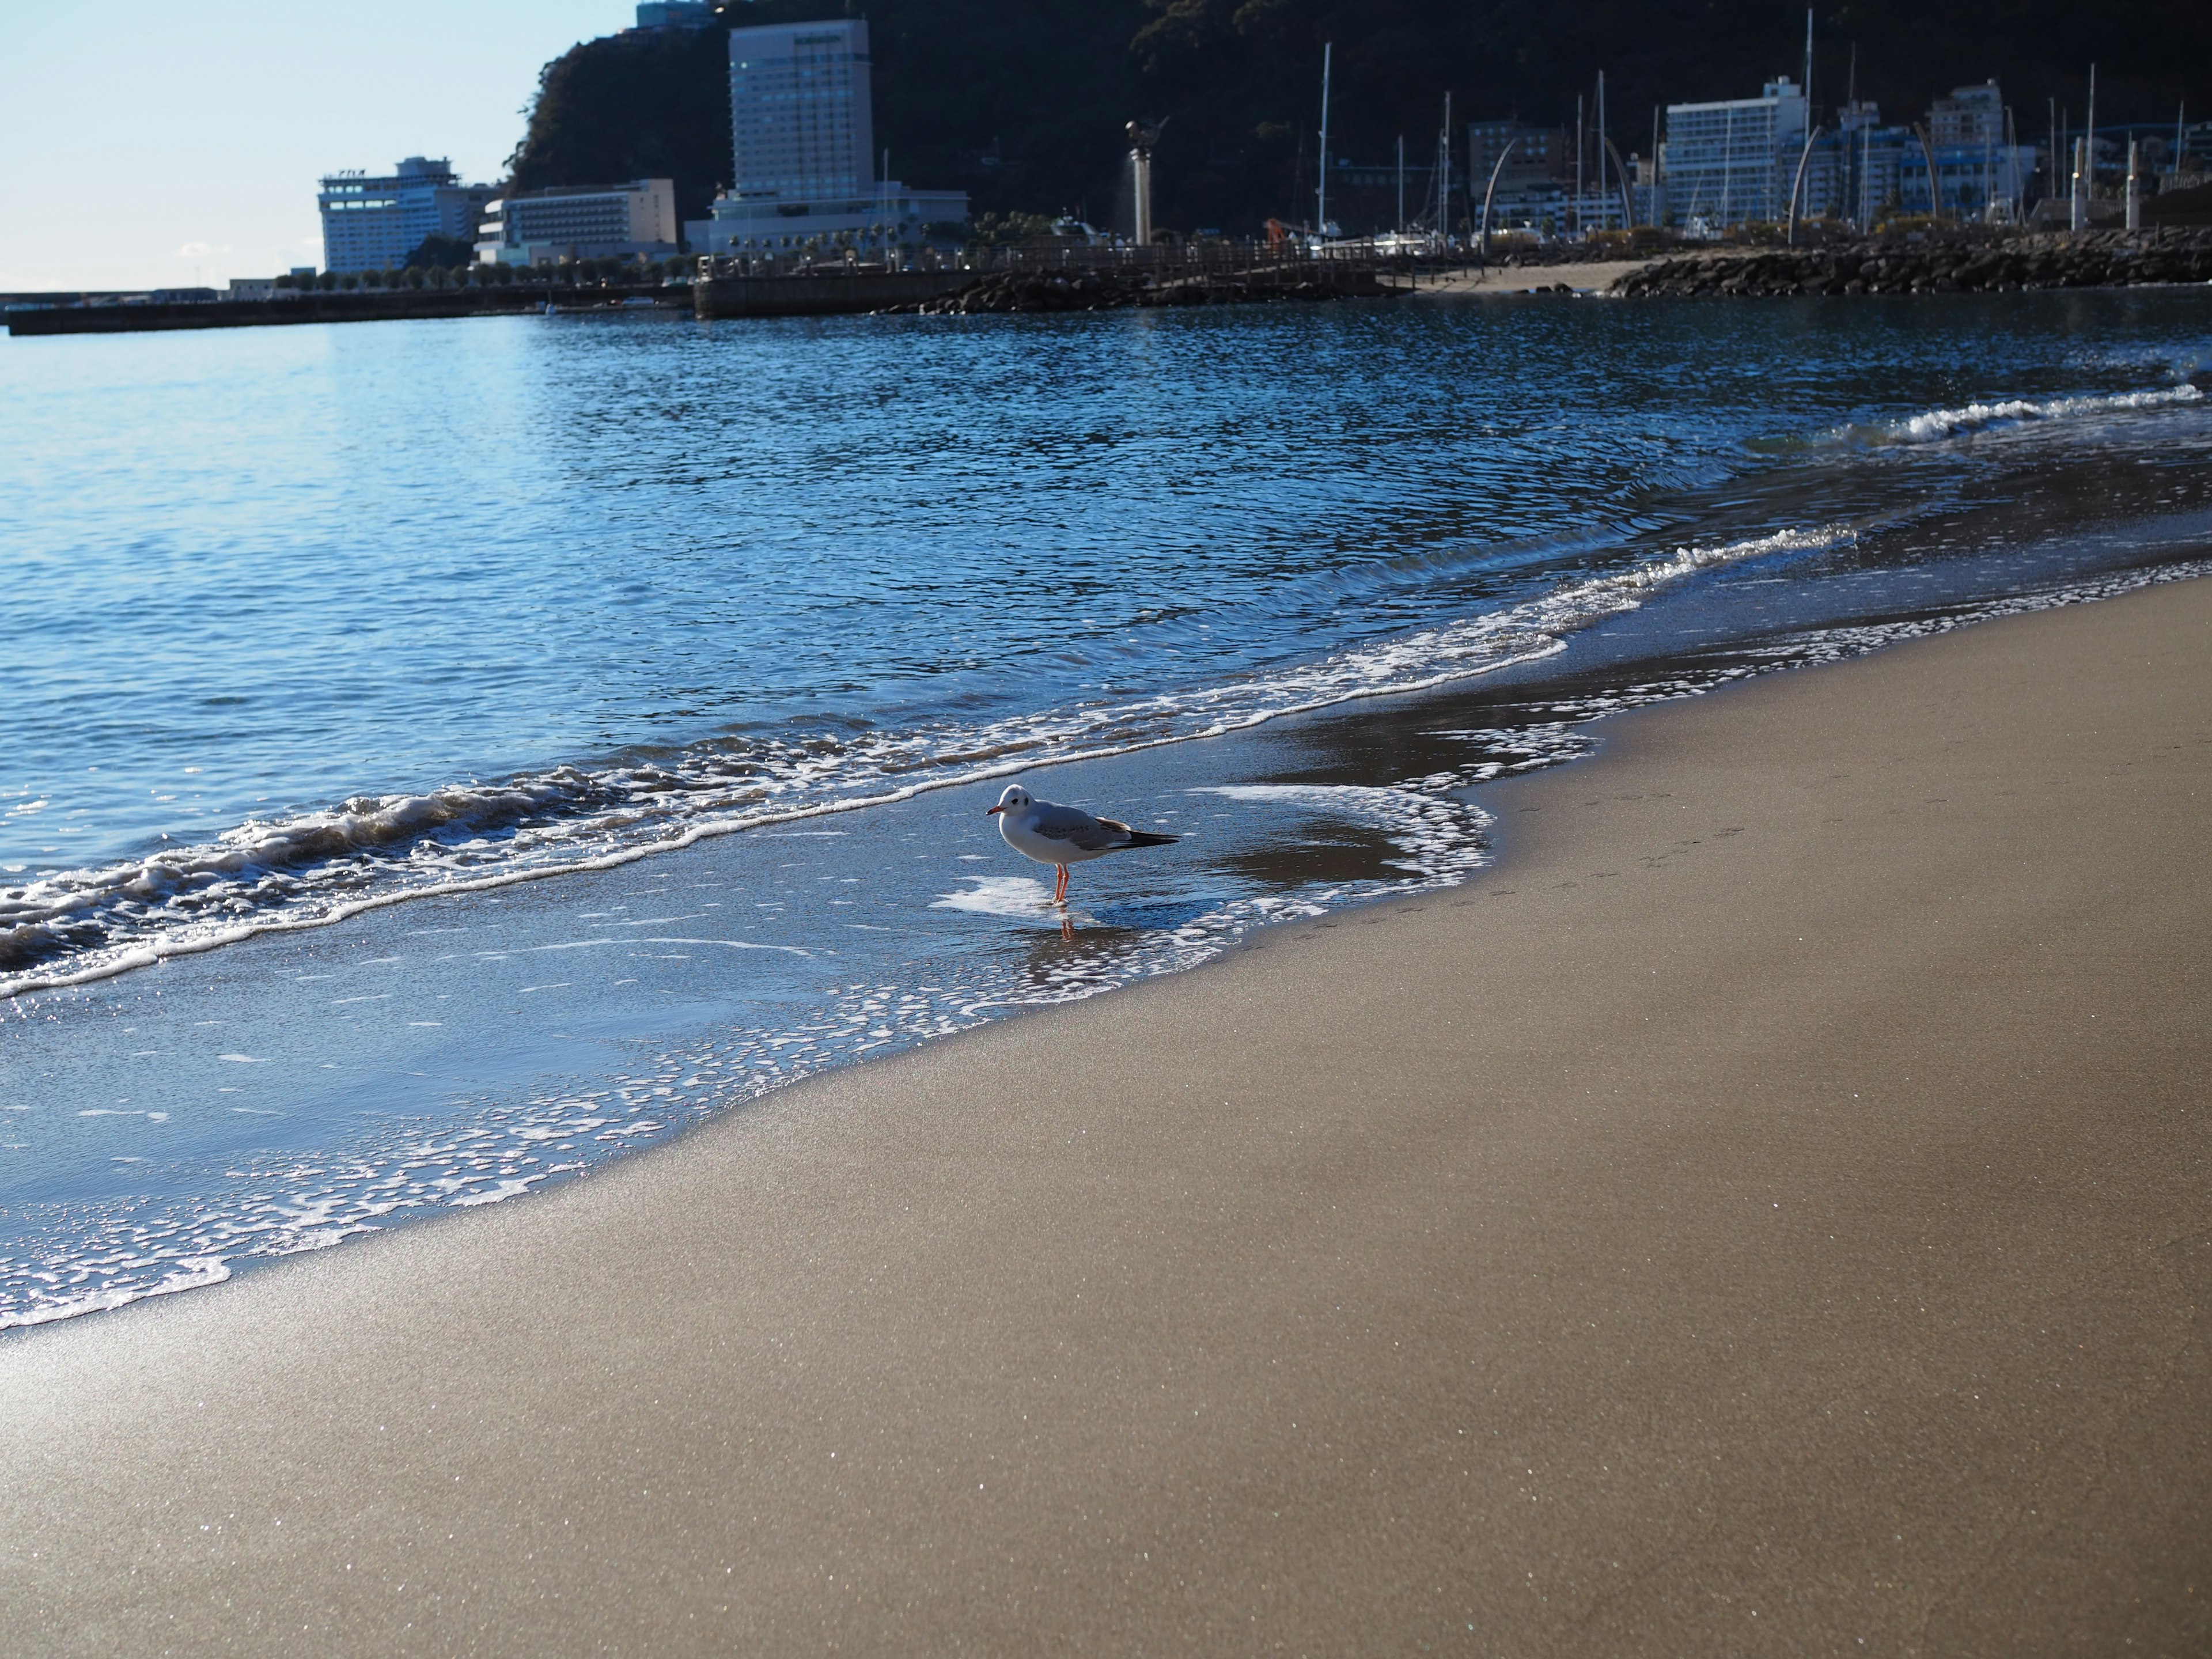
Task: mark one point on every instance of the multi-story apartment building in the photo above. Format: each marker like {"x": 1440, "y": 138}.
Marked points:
{"x": 370, "y": 223}
{"x": 1980, "y": 173}
{"x": 801, "y": 112}
{"x": 803, "y": 163}
{"x": 1863, "y": 172}
{"x": 579, "y": 221}
{"x": 1733, "y": 162}
{"x": 1533, "y": 182}
{"x": 1539, "y": 157}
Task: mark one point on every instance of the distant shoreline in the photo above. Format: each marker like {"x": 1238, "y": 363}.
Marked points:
{"x": 1873, "y": 265}
{"x": 361, "y": 305}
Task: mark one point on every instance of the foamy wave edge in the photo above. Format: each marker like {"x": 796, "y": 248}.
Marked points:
{"x": 1940, "y": 423}
{"x": 1525, "y": 633}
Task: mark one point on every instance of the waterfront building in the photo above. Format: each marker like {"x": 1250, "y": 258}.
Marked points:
{"x": 801, "y": 112}
{"x": 1539, "y": 157}
{"x": 1732, "y": 162}
{"x": 373, "y": 222}
{"x": 1979, "y": 175}
{"x": 1862, "y": 172}
{"x": 885, "y": 216}
{"x": 579, "y": 221}
{"x": 2188, "y": 157}
{"x": 1534, "y": 183}
{"x": 1853, "y": 170}
{"x": 803, "y": 164}
{"x": 1646, "y": 191}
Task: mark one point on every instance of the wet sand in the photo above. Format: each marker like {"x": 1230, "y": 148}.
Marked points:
{"x": 1769, "y": 1213}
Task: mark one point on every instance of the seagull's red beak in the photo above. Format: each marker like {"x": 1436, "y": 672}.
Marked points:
{"x": 989, "y": 810}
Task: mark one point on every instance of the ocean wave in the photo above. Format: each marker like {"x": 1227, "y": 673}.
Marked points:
{"x": 1940, "y": 423}
{"x": 72, "y": 927}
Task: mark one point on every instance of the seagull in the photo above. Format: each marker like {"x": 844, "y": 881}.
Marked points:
{"x": 1063, "y": 835}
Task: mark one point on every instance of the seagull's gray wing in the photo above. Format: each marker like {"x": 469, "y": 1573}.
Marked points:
{"x": 1079, "y": 828}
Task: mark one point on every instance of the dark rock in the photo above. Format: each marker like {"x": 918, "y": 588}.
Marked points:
{"x": 1973, "y": 260}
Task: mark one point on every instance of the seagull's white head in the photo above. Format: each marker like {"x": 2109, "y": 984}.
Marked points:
{"x": 1013, "y": 800}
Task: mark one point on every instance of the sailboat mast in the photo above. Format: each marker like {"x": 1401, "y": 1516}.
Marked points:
{"x": 1321, "y": 221}
{"x": 2089, "y": 138}
{"x": 1444, "y": 175}
{"x": 1601, "y": 148}
{"x": 1579, "y": 160}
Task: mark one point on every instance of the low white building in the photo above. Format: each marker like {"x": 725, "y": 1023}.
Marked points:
{"x": 579, "y": 221}
{"x": 892, "y": 216}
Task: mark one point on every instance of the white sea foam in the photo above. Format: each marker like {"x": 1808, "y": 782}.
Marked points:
{"x": 75, "y": 926}
{"x": 1939, "y": 423}
{"x": 89, "y": 1257}
{"x": 998, "y": 896}
{"x": 1439, "y": 840}
{"x": 186, "y": 1273}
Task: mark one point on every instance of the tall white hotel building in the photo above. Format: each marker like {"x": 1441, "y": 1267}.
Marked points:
{"x": 802, "y": 161}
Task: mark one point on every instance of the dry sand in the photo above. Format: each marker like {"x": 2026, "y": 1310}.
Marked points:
{"x": 1593, "y": 278}
{"x": 1523, "y": 279}
{"x": 1769, "y": 1215}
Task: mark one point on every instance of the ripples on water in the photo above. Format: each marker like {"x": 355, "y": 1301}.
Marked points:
{"x": 307, "y": 618}
{"x": 307, "y": 621}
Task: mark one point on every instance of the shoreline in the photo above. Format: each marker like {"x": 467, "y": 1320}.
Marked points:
{"x": 1586, "y": 277}
{"x": 340, "y": 1111}
{"x": 1534, "y": 1282}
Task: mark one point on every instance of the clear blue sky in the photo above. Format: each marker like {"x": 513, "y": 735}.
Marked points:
{"x": 147, "y": 144}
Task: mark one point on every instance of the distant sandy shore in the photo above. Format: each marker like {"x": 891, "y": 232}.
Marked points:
{"x": 1771, "y": 1213}
{"x": 1592, "y": 278}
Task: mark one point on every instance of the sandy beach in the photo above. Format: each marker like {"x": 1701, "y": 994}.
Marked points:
{"x": 1592, "y": 277}
{"x": 1769, "y": 1213}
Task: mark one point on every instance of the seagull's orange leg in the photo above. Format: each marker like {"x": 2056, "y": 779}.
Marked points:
{"x": 1060, "y": 887}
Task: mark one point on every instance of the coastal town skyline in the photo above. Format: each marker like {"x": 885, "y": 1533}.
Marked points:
{"x": 218, "y": 199}
{"x": 1632, "y": 1082}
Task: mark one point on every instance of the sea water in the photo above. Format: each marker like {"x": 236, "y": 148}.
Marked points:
{"x": 445, "y": 755}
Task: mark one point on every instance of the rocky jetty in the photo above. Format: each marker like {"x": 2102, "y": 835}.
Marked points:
{"x": 1901, "y": 265}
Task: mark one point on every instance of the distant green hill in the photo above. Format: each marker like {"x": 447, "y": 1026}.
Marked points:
{"x": 1023, "y": 102}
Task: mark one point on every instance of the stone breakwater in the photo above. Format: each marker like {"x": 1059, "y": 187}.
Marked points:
{"x": 2098, "y": 259}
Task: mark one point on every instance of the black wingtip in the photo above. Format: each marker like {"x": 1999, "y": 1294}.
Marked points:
{"x": 1147, "y": 838}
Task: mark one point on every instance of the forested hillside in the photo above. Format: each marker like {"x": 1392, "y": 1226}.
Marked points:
{"x": 1023, "y": 102}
